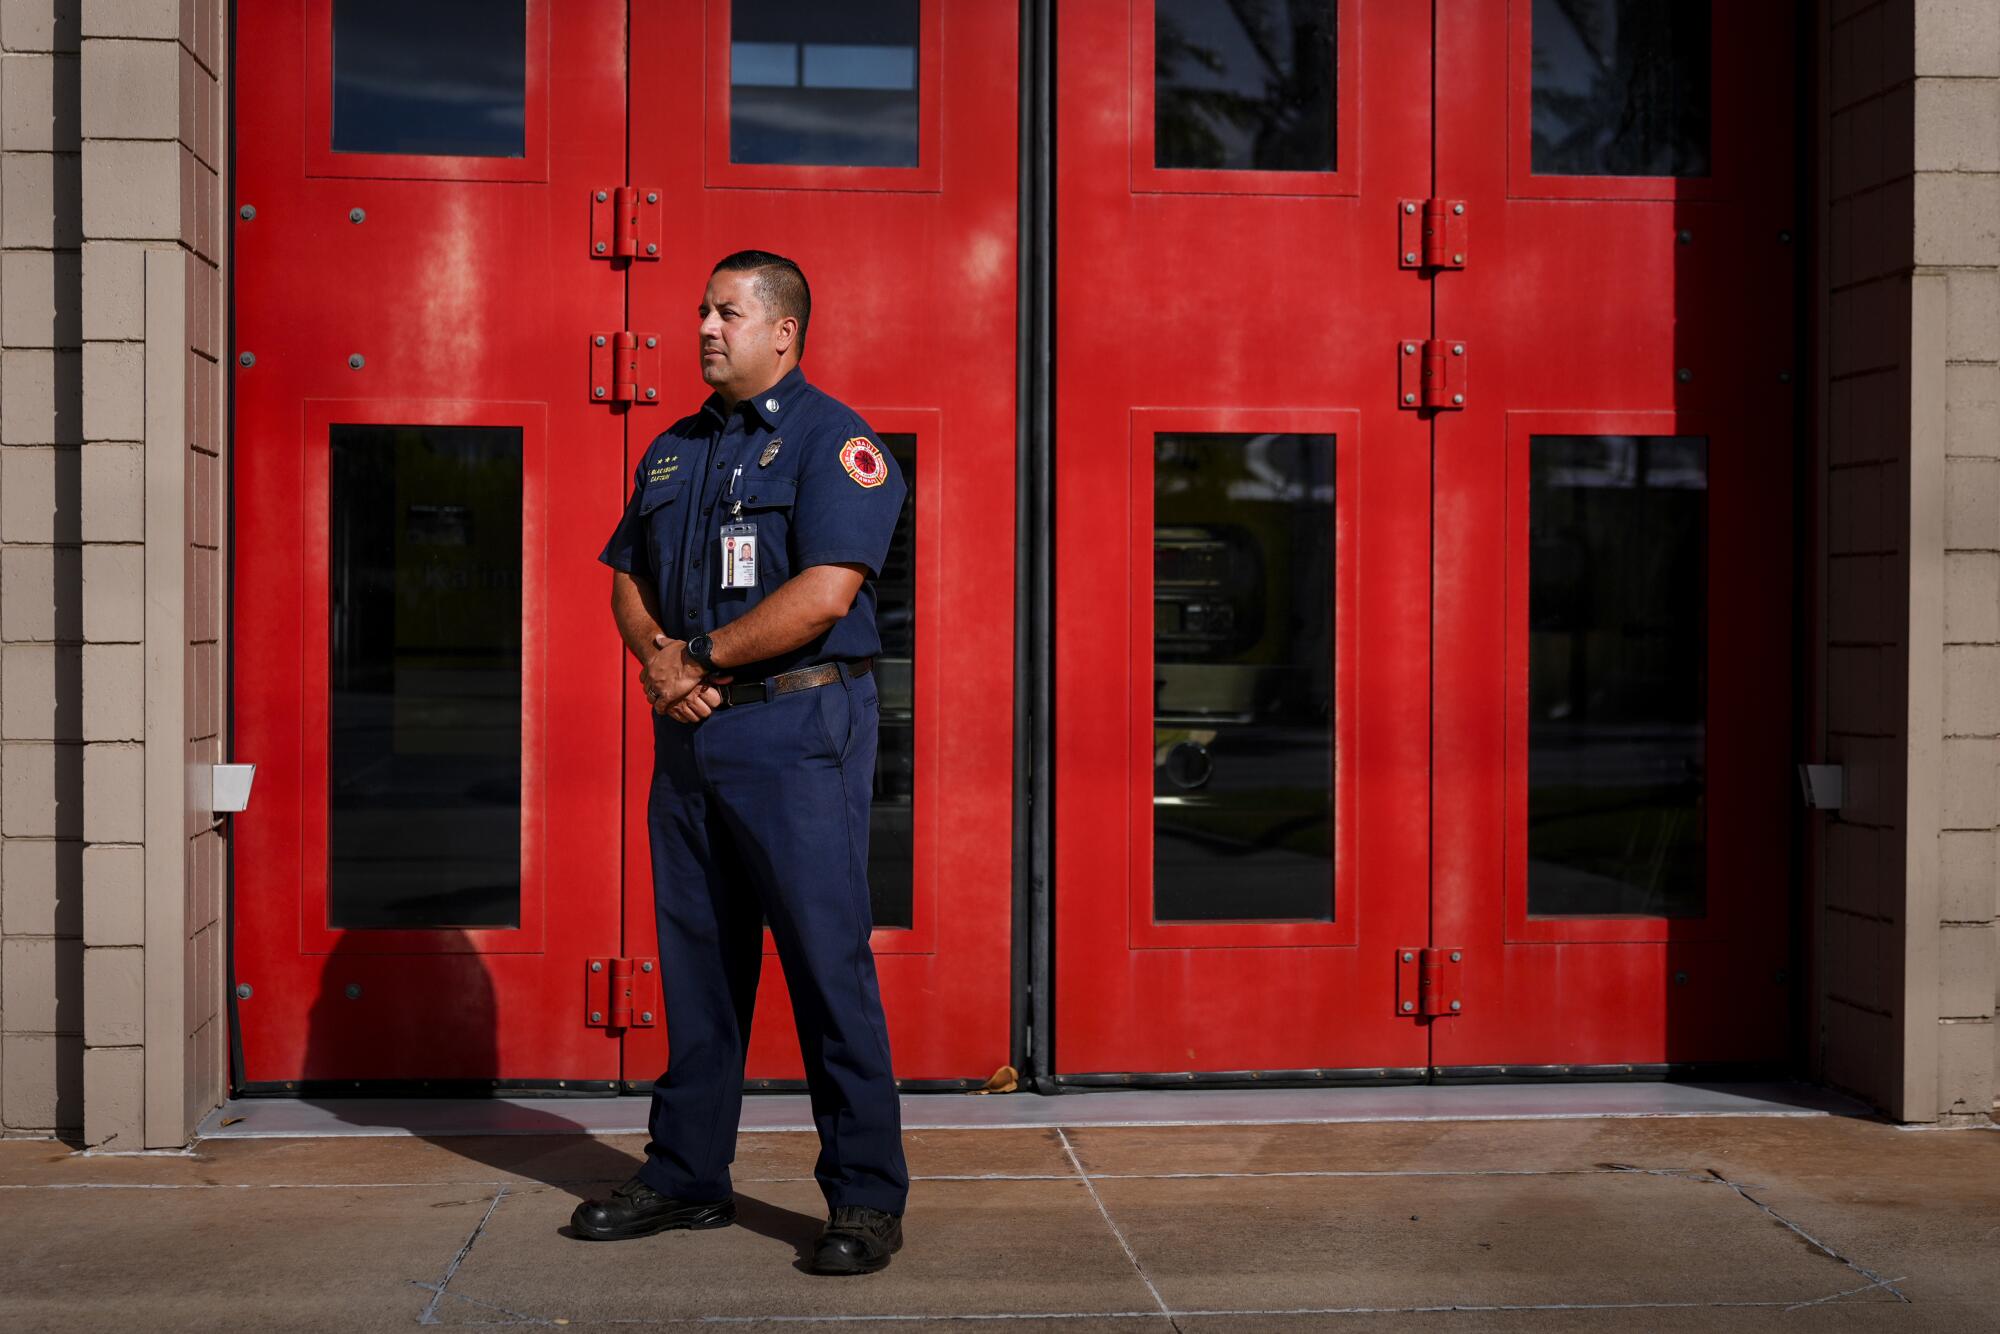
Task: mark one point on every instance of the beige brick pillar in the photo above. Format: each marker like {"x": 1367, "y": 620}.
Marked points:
{"x": 1954, "y": 965}
{"x": 41, "y": 398}
{"x": 151, "y": 144}
{"x": 1905, "y": 891}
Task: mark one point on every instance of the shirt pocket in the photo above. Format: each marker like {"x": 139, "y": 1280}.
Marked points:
{"x": 768, "y": 504}
{"x": 662, "y": 509}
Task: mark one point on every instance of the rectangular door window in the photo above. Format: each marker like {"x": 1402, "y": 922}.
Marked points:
{"x": 1243, "y": 542}
{"x": 1621, "y": 88}
{"x": 812, "y": 84}
{"x": 1617, "y": 675}
{"x": 1244, "y": 85}
{"x": 892, "y": 819}
{"x": 424, "y": 788}
{"x": 441, "y": 77}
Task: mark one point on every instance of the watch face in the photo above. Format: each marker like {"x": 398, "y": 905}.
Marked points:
{"x": 699, "y": 647}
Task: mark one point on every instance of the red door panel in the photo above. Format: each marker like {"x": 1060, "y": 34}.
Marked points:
{"x": 420, "y": 492}
{"x": 908, "y": 239}
{"x": 1243, "y": 532}
{"x": 1613, "y": 587}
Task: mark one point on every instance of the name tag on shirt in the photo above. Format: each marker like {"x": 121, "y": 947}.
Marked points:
{"x": 739, "y": 555}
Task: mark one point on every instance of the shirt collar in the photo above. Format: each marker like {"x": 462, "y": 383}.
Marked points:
{"x": 769, "y": 406}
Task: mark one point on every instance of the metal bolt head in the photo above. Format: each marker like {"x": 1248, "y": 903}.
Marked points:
{"x": 356, "y": 362}
{"x": 1409, "y": 257}
{"x": 246, "y": 359}
{"x": 599, "y": 247}
{"x": 353, "y": 991}
{"x": 598, "y": 392}
{"x": 652, "y": 196}
{"x": 1458, "y": 349}
{"x": 1409, "y": 398}
{"x": 1409, "y": 208}
{"x": 1458, "y": 399}
{"x": 602, "y": 196}
{"x": 1680, "y": 979}
{"x": 1409, "y": 349}
{"x": 1458, "y": 259}
{"x": 652, "y": 342}
{"x": 599, "y": 340}
{"x": 597, "y": 1016}
{"x": 652, "y": 249}
{"x": 1409, "y": 1006}
{"x": 357, "y": 215}
{"x": 247, "y": 212}
{"x": 652, "y": 393}
{"x": 1458, "y": 208}
{"x": 1409, "y": 956}
{"x": 1457, "y": 1006}
{"x": 242, "y": 991}
{"x": 597, "y": 965}
{"x": 1784, "y": 377}
{"x": 1784, "y": 238}
{"x": 646, "y": 1016}
{"x": 1684, "y": 375}
{"x": 646, "y": 967}
{"x": 1455, "y": 956}
{"x": 1685, "y": 238}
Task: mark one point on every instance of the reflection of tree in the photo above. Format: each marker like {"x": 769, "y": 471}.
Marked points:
{"x": 1636, "y": 102}
{"x": 1282, "y": 104}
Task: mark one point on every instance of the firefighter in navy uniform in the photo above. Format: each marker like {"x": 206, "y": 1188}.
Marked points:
{"x": 742, "y": 582}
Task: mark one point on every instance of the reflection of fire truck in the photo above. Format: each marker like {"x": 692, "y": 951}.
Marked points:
{"x": 1242, "y": 646}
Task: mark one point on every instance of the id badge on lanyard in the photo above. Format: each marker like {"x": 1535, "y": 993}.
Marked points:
{"x": 739, "y": 545}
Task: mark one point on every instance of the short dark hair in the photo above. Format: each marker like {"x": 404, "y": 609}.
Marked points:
{"x": 781, "y": 285}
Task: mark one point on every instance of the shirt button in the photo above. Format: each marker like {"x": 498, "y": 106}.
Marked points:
{"x": 692, "y": 616}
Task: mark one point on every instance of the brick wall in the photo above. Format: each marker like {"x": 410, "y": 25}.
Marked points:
{"x": 1910, "y": 607}
{"x": 111, "y": 492}
{"x": 152, "y": 140}
{"x": 42, "y": 520}
{"x": 1955, "y": 337}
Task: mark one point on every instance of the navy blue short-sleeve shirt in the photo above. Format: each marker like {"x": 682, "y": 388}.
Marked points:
{"x": 811, "y": 476}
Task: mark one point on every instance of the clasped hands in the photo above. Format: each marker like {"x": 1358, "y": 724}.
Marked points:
{"x": 677, "y": 685}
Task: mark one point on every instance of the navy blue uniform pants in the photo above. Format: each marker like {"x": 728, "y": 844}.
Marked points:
{"x": 760, "y": 814}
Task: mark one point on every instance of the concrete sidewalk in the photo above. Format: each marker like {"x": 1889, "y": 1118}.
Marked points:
{"x": 1801, "y": 1222}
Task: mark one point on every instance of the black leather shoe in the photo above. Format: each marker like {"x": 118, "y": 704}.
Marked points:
{"x": 635, "y": 1209}
{"x": 857, "y": 1240}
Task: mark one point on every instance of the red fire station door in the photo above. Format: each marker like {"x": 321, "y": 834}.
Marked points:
{"x": 1614, "y": 502}
{"x": 875, "y": 144}
{"x": 1243, "y": 537}
{"x": 465, "y": 305}
{"x": 1423, "y": 395}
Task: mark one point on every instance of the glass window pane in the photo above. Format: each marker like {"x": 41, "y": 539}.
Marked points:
{"x": 1621, "y": 88}
{"x": 424, "y": 793}
{"x": 812, "y": 84}
{"x": 444, "y": 76}
{"x": 891, "y": 821}
{"x": 1244, "y": 85}
{"x": 1617, "y": 675}
{"x": 1243, "y": 677}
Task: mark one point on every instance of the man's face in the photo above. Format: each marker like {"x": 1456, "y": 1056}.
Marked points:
{"x": 742, "y": 343}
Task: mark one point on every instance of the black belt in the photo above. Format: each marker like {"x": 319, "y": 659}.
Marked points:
{"x": 806, "y": 678}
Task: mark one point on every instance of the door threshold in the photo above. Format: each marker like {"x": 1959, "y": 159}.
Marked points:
{"x": 284, "y": 1118}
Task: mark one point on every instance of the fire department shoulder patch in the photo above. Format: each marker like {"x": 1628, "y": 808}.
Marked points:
{"x": 864, "y": 462}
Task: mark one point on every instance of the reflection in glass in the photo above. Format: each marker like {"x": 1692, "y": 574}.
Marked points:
{"x": 891, "y": 820}
{"x": 812, "y": 84}
{"x": 1244, "y": 85}
{"x": 424, "y": 792}
{"x": 1243, "y": 677}
{"x": 1617, "y": 675}
{"x": 1621, "y": 88}
{"x": 443, "y": 76}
